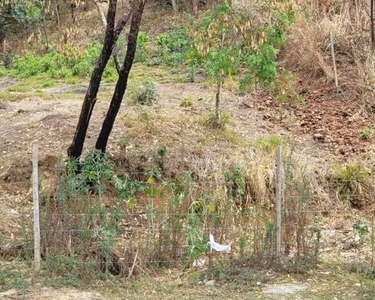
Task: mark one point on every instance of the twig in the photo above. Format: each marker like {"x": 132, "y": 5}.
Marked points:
{"x": 334, "y": 63}
{"x": 132, "y": 268}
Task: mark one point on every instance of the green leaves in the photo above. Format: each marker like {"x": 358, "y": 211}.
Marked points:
{"x": 20, "y": 12}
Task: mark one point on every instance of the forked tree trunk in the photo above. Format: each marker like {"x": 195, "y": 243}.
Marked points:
{"x": 111, "y": 37}
{"x": 122, "y": 81}
{"x": 75, "y": 149}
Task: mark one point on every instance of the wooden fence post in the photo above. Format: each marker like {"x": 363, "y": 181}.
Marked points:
{"x": 36, "y": 206}
{"x": 279, "y": 192}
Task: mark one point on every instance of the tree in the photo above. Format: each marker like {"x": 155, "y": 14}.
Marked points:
{"x": 17, "y": 13}
{"x": 111, "y": 36}
{"x": 231, "y": 43}
{"x": 175, "y": 5}
{"x": 122, "y": 81}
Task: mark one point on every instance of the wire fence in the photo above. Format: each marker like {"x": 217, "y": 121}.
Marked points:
{"x": 173, "y": 226}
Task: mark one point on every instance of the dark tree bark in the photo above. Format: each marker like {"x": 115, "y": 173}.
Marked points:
{"x": 122, "y": 82}
{"x": 112, "y": 34}
{"x": 75, "y": 149}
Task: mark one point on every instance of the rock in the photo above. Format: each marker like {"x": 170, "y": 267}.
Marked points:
{"x": 288, "y": 288}
{"x": 209, "y": 282}
{"x": 8, "y": 293}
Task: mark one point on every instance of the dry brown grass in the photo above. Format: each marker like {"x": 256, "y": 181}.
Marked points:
{"x": 308, "y": 51}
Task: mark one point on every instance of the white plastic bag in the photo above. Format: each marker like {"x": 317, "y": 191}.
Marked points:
{"x": 218, "y": 247}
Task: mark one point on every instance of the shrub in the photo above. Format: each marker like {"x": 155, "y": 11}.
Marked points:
{"x": 57, "y": 64}
{"x": 144, "y": 94}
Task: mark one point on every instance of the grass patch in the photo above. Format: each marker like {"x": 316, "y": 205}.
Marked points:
{"x": 269, "y": 143}
{"x": 353, "y": 183}
{"x": 49, "y": 84}
{"x": 186, "y": 102}
{"x": 20, "y": 88}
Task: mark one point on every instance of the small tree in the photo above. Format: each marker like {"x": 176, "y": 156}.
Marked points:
{"x": 230, "y": 43}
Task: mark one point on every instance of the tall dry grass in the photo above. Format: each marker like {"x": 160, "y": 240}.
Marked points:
{"x": 309, "y": 48}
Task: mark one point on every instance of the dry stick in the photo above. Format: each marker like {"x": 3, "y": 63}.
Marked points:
{"x": 104, "y": 21}
{"x": 334, "y": 63}
{"x": 36, "y": 207}
{"x": 132, "y": 268}
{"x": 279, "y": 187}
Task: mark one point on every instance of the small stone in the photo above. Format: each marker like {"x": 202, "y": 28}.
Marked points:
{"x": 210, "y": 283}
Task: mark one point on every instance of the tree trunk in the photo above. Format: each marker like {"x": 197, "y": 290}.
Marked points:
{"x": 194, "y": 4}
{"x": 104, "y": 21}
{"x": 75, "y": 149}
{"x": 57, "y": 9}
{"x": 175, "y": 6}
{"x": 122, "y": 82}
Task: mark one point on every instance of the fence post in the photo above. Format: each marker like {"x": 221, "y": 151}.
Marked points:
{"x": 36, "y": 206}
{"x": 279, "y": 192}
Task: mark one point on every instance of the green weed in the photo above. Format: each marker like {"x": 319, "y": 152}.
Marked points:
{"x": 269, "y": 143}
{"x": 366, "y": 133}
{"x": 186, "y": 102}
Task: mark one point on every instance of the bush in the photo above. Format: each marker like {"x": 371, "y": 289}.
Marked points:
{"x": 57, "y": 64}
{"x": 144, "y": 94}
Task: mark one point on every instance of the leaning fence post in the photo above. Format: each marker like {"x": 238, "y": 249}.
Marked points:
{"x": 36, "y": 206}
{"x": 279, "y": 187}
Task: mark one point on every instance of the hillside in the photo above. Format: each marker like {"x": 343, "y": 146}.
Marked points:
{"x": 209, "y": 101}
